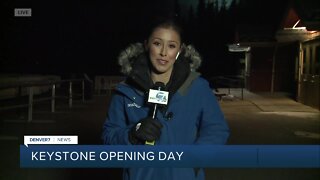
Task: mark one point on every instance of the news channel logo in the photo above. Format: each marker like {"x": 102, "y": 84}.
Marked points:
{"x": 22, "y": 12}
{"x": 158, "y": 97}
{"x": 161, "y": 97}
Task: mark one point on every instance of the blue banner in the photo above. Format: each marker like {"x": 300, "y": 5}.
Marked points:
{"x": 224, "y": 156}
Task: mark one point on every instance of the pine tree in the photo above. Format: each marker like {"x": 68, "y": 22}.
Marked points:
{"x": 201, "y": 9}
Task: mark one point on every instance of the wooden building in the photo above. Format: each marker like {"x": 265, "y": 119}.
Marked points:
{"x": 282, "y": 54}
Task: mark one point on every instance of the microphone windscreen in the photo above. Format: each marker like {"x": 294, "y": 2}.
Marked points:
{"x": 158, "y": 85}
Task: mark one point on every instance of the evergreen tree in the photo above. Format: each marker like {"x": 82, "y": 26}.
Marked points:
{"x": 191, "y": 14}
{"x": 223, "y": 5}
{"x": 201, "y": 9}
{"x": 177, "y": 9}
{"x": 216, "y": 6}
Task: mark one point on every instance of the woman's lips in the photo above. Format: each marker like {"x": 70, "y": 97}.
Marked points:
{"x": 162, "y": 61}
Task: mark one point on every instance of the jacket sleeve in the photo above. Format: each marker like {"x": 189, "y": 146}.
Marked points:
{"x": 213, "y": 128}
{"x": 115, "y": 128}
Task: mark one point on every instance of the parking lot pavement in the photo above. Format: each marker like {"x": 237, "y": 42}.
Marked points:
{"x": 268, "y": 118}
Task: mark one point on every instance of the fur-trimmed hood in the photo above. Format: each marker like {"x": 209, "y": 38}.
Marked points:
{"x": 128, "y": 56}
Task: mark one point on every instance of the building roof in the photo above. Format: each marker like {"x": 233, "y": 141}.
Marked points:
{"x": 261, "y": 20}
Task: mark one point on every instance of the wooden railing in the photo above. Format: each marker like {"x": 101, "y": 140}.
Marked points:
{"x": 53, "y": 85}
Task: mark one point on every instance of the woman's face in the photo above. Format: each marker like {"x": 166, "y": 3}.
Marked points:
{"x": 163, "y": 46}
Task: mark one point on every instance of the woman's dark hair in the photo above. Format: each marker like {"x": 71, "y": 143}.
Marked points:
{"x": 165, "y": 23}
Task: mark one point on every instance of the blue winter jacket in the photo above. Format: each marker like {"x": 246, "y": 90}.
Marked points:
{"x": 196, "y": 119}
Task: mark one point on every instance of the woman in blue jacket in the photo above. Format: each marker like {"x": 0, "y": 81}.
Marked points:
{"x": 192, "y": 115}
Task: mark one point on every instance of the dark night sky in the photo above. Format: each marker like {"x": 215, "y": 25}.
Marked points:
{"x": 78, "y": 36}
{"x": 72, "y": 36}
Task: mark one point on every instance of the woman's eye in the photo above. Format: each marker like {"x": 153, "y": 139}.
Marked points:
{"x": 156, "y": 43}
{"x": 172, "y": 46}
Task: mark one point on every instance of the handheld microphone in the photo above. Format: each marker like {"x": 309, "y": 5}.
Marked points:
{"x": 157, "y": 96}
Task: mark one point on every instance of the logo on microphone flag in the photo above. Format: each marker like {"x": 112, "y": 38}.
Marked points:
{"x": 158, "y": 97}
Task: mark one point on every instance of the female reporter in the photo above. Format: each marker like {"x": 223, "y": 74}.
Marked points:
{"x": 192, "y": 115}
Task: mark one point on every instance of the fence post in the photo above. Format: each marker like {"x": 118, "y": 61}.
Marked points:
{"x": 82, "y": 90}
{"x": 53, "y": 98}
{"x": 19, "y": 95}
{"x": 30, "y": 104}
{"x": 70, "y": 94}
{"x": 242, "y": 86}
{"x": 241, "y": 93}
{"x": 229, "y": 86}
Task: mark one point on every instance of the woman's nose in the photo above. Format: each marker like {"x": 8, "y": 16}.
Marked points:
{"x": 163, "y": 51}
